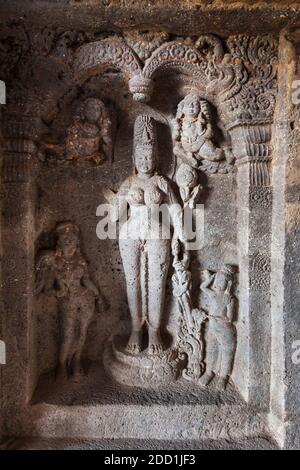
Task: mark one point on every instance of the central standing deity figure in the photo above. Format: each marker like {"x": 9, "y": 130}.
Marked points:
{"x": 146, "y": 256}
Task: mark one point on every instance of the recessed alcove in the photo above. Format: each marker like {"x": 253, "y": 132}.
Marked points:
{"x": 130, "y": 338}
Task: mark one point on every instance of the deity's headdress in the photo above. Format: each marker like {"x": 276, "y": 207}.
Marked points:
{"x": 67, "y": 227}
{"x": 228, "y": 270}
{"x": 144, "y": 130}
{"x": 203, "y": 105}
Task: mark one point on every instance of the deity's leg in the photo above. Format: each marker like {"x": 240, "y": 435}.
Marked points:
{"x": 212, "y": 351}
{"x": 68, "y": 335}
{"x": 158, "y": 266}
{"x": 210, "y": 152}
{"x": 131, "y": 253}
{"x": 227, "y": 342}
{"x": 85, "y": 312}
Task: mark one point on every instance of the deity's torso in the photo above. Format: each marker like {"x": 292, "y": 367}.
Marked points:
{"x": 69, "y": 274}
{"x": 192, "y": 134}
{"x": 144, "y": 196}
{"x": 219, "y": 302}
{"x": 83, "y": 140}
{"x": 145, "y": 192}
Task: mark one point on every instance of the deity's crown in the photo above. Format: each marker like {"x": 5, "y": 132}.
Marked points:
{"x": 67, "y": 227}
{"x": 228, "y": 270}
{"x": 144, "y": 130}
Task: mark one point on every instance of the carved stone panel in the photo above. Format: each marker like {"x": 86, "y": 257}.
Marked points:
{"x": 140, "y": 164}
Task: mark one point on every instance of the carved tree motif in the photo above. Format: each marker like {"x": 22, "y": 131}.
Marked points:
{"x": 190, "y": 341}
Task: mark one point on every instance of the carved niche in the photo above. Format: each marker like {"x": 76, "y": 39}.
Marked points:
{"x": 232, "y": 82}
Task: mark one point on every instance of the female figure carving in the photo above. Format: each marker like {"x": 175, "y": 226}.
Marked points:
{"x": 63, "y": 273}
{"x": 90, "y": 135}
{"x": 145, "y": 255}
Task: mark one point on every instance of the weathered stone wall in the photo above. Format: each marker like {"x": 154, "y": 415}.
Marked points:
{"x": 285, "y": 241}
{"x": 236, "y": 62}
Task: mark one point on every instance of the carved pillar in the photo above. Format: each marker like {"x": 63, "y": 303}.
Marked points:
{"x": 285, "y": 286}
{"x": 251, "y": 146}
{"x": 20, "y": 133}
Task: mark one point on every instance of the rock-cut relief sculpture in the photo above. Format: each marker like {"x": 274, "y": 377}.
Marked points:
{"x": 146, "y": 258}
{"x": 89, "y": 137}
{"x": 63, "y": 273}
{"x": 146, "y": 359}
{"x": 221, "y": 334}
{"x": 189, "y": 187}
{"x": 194, "y": 139}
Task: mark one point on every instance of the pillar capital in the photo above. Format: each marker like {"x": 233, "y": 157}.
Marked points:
{"x": 252, "y": 145}
{"x": 20, "y": 133}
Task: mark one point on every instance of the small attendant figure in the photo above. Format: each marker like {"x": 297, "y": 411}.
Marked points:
{"x": 221, "y": 337}
{"x": 193, "y": 132}
{"x": 90, "y": 135}
{"x": 63, "y": 273}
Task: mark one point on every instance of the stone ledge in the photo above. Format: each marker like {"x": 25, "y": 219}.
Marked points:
{"x": 184, "y": 422}
{"x": 138, "y": 444}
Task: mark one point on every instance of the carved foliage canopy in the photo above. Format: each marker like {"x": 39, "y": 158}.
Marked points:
{"x": 240, "y": 72}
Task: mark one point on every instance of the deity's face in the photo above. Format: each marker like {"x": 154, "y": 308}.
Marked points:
{"x": 145, "y": 159}
{"x": 68, "y": 243}
{"x": 220, "y": 282}
{"x": 92, "y": 113}
{"x": 192, "y": 107}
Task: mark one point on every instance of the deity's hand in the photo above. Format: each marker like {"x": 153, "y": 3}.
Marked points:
{"x": 112, "y": 199}
{"x": 109, "y": 195}
{"x": 198, "y": 316}
{"x": 202, "y": 118}
{"x": 228, "y": 155}
{"x": 61, "y": 292}
{"x": 102, "y": 303}
{"x": 202, "y": 315}
{"x": 195, "y": 196}
{"x": 176, "y": 129}
{"x": 208, "y": 276}
{"x": 206, "y": 273}
{"x": 229, "y": 285}
{"x": 95, "y": 290}
{"x": 192, "y": 160}
{"x": 178, "y": 150}
{"x": 163, "y": 185}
